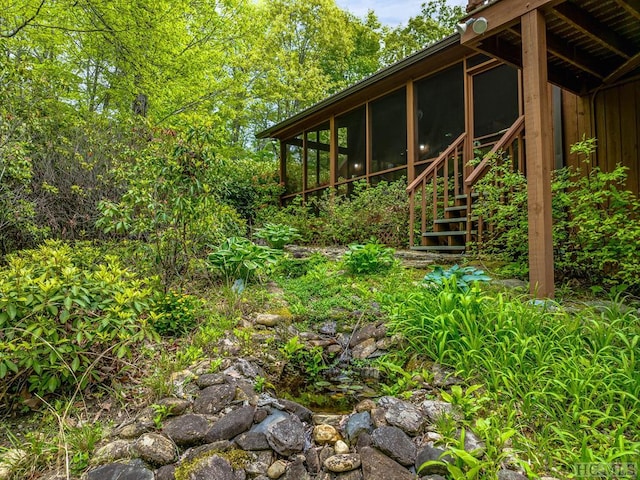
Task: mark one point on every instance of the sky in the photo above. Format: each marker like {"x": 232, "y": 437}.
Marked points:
{"x": 389, "y": 12}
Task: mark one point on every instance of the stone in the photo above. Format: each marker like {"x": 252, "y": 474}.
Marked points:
{"x": 403, "y": 415}
{"x": 510, "y": 283}
{"x": 326, "y": 418}
{"x": 312, "y": 459}
{"x": 156, "y": 449}
{"x": 371, "y": 330}
{"x": 186, "y": 430}
{"x": 443, "y": 377}
{"x": 434, "y": 409}
{"x": 214, "y": 398}
{"x": 10, "y": 458}
{"x": 377, "y": 466}
{"x": 379, "y": 417}
{"x": 252, "y": 441}
{"x": 274, "y": 417}
{"x": 428, "y": 454}
{"x": 356, "y": 424}
{"x": 206, "y": 450}
{"x": 269, "y": 319}
{"x": 300, "y": 411}
{"x": 323, "y": 434}
{"x": 473, "y": 444}
{"x": 116, "y": 450}
{"x": 364, "y": 440}
{"x": 328, "y": 328}
{"x": 342, "y": 463}
{"x": 393, "y": 442}
{"x": 365, "y": 405}
{"x": 286, "y": 436}
{"x": 296, "y": 471}
{"x": 174, "y": 406}
{"x": 259, "y": 462}
{"x": 276, "y": 469}
{"x": 341, "y": 448}
{"x": 364, "y": 349}
{"x": 210, "y": 379}
{"x": 168, "y": 472}
{"x": 352, "y": 475}
{"x": 231, "y": 424}
{"x": 433, "y": 477}
{"x": 244, "y": 369}
{"x": 212, "y": 467}
{"x": 510, "y": 475}
{"x": 120, "y": 471}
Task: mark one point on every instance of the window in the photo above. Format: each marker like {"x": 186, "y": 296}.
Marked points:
{"x": 352, "y": 151}
{"x": 389, "y": 131}
{"x": 318, "y": 156}
{"x": 440, "y": 111}
{"x": 293, "y": 165}
{"x": 495, "y": 100}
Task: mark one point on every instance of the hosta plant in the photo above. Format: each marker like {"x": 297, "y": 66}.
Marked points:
{"x": 277, "y": 235}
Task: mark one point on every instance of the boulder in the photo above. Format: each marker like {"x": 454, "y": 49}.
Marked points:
{"x": 186, "y": 430}
{"x": 232, "y": 424}
{"x": 286, "y": 436}
{"x": 395, "y": 443}
{"x": 214, "y": 398}
{"x": 377, "y": 466}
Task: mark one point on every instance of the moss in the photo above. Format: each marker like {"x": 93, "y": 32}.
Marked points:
{"x": 238, "y": 459}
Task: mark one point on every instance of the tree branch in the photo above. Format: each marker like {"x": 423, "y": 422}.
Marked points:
{"x": 25, "y": 23}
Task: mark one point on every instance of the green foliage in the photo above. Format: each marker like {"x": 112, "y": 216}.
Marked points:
{"x": 174, "y": 313}
{"x": 456, "y": 277}
{"x": 64, "y": 316}
{"x": 560, "y": 371}
{"x": 380, "y": 211}
{"x": 369, "y": 258}
{"x": 238, "y": 258}
{"x": 301, "y": 358}
{"x": 277, "y": 235}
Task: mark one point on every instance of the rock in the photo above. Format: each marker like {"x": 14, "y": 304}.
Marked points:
{"x": 364, "y": 440}
{"x": 395, "y": 443}
{"x": 434, "y": 409}
{"x": 371, "y": 330}
{"x": 364, "y": 349}
{"x": 325, "y": 453}
{"x": 259, "y": 462}
{"x": 352, "y": 475}
{"x": 403, "y": 415}
{"x": 252, "y": 441}
{"x": 168, "y": 472}
{"x": 210, "y": 379}
{"x": 510, "y": 475}
{"x": 312, "y": 458}
{"x": 341, "y": 448}
{"x": 276, "y": 469}
{"x": 274, "y": 417}
{"x": 443, "y": 377}
{"x": 156, "y": 449}
{"x": 302, "y": 412}
{"x": 212, "y": 467}
{"x": 365, "y": 405}
{"x": 269, "y": 319}
{"x": 328, "y": 328}
{"x": 286, "y": 436}
{"x": 323, "y": 434}
{"x": 116, "y": 450}
{"x": 473, "y": 444}
{"x": 510, "y": 283}
{"x": 186, "y": 430}
{"x": 377, "y": 466}
{"x": 120, "y": 471}
{"x": 428, "y": 454}
{"x": 433, "y": 477}
{"x": 342, "y": 463}
{"x": 231, "y": 424}
{"x": 174, "y": 406}
{"x": 326, "y": 418}
{"x": 378, "y": 417}
{"x": 244, "y": 369}
{"x": 358, "y": 423}
{"x": 10, "y": 459}
{"x": 296, "y": 471}
{"x": 214, "y": 398}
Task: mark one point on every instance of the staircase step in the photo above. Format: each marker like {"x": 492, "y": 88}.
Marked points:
{"x": 440, "y": 221}
{"x": 440, "y": 248}
{"x": 464, "y": 197}
{"x": 448, "y": 233}
{"x": 457, "y": 208}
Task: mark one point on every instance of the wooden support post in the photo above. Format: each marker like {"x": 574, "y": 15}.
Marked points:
{"x": 333, "y": 152}
{"x": 539, "y": 149}
{"x": 412, "y": 131}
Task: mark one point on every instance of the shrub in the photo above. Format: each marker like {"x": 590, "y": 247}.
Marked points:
{"x": 277, "y": 235}
{"x": 239, "y": 259}
{"x": 174, "y": 313}
{"x": 65, "y": 316}
{"x": 368, "y": 258}
{"x": 457, "y": 277}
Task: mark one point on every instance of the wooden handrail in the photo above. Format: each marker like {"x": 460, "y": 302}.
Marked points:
{"x": 505, "y": 140}
{"x": 437, "y": 162}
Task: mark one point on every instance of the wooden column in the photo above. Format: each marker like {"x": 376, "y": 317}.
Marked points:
{"x": 412, "y": 131}
{"x": 539, "y": 149}
{"x": 333, "y": 152}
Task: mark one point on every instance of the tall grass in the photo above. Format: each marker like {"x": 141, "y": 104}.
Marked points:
{"x": 573, "y": 379}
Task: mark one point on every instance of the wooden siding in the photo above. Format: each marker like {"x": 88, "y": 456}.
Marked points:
{"x": 616, "y": 124}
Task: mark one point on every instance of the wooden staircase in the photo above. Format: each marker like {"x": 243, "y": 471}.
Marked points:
{"x": 442, "y": 196}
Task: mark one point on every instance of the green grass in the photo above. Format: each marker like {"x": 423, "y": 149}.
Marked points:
{"x": 572, "y": 379}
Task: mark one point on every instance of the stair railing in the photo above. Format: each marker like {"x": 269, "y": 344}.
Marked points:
{"x": 508, "y": 143}
{"x": 450, "y": 159}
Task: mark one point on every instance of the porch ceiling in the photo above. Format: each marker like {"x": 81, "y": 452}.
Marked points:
{"x": 590, "y": 43}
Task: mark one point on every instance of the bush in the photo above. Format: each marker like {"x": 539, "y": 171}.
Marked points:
{"x": 174, "y": 314}
{"x": 277, "y": 235}
{"x": 65, "y": 317}
{"x": 238, "y": 259}
{"x": 368, "y": 258}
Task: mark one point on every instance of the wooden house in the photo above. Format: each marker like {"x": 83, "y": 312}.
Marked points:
{"x": 525, "y": 77}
